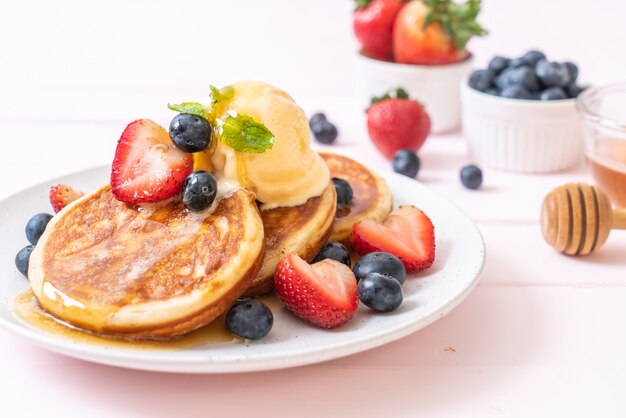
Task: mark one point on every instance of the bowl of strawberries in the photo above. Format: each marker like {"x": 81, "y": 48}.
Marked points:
{"x": 420, "y": 45}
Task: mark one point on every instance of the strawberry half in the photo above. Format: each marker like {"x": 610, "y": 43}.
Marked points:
{"x": 147, "y": 167}
{"x": 62, "y": 195}
{"x": 324, "y": 293}
{"x": 407, "y": 233}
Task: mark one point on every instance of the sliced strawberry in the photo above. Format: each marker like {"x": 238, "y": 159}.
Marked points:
{"x": 407, "y": 233}
{"x": 324, "y": 294}
{"x": 62, "y": 195}
{"x": 147, "y": 167}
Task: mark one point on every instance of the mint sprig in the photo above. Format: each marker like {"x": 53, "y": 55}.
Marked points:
{"x": 244, "y": 134}
{"x": 240, "y": 132}
{"x": 458, "y": 19}
{"x": 192, "y": 108}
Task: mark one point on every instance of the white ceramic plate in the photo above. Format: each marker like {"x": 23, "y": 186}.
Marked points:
{"x": 428, "y": 296}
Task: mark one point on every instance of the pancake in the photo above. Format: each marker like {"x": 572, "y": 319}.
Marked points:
{"x": 300, "y": 229}
{"x": 153, "y": 272}
{"x": 371, "y": 198}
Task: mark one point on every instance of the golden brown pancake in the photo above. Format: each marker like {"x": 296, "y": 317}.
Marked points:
{"x": 153, "y": 272}
{"x": 371, "y": 198}
{"x": 300, "y": 229}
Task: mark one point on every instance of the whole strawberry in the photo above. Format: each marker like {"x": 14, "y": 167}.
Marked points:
{"x": 397, "y": 122}
{"x": 373, "y": 26}
{"x": 435, "y": 32}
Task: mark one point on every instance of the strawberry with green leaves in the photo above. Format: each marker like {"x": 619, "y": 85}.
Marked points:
{"x": 435, "y": 32}
{"x": 373, "y": 23}
{"x": 394, "y": 122}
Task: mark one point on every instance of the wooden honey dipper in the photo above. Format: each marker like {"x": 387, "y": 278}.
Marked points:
{"x": 576, "y": 218}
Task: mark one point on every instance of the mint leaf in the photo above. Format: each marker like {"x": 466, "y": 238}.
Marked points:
{"x": 192, "y": 108}
{"x": 244, "y": 134}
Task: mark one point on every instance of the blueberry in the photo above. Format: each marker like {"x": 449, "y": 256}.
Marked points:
{"x": 481, "y": 80}
{"x": 502, "y": 80}
{"x": 316, "y": 119}
{"x": 22, "y": 259}
{"x": 471, "y": 177}
{"x": 492, "y": 92}
{"x": 380, "y": 292}
{"x": 573, "y": 71}
{"x": 36, "y": 226}
{"x": 249, "y": 319}
{"x": 573, "y": 90}
{"x": 344, "y": 191}
{"x": 379, "y": 262}
{"x": 516, "y": 92}
{"x": 522, "y": 77}
{"x": 199, "y": 191}
{"x": 553, "y": 74}
{"x": 525, "y": 77}
{"x": 553, "y": 93}
{"x": 190, "y": 133}
{"x": 498, "y": 64}
{"x": 406, "y": 162}
{"x": 518, "y": 63}
{"x": 325, "y": 132}
{"x": 531, "y": 58}
{"x": 335, "y": 251}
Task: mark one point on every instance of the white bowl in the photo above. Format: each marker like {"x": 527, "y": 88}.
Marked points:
{"x": 528, "y": 136}
{"x": 435, "y": 86}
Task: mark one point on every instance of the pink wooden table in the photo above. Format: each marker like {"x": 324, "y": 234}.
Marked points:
{"x": 541, "y": 335}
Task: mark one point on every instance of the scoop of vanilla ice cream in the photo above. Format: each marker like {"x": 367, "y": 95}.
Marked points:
{"x": 290, "y": 172}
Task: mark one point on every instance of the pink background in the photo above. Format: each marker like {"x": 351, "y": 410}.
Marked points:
{"x": 541, "y": 335}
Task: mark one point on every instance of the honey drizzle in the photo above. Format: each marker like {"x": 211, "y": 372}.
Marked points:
{"x": 242, "y": 171}
{"x": 27, "y": 309}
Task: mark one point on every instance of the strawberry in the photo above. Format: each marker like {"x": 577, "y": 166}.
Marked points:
{"x": 147, "y": 167}
{"x": 395, "y": 123}
{"x": 324, "y": 293}
{"x": 62, "y": 195}
{"x": 373, "y": 26}
{"x": 407, "y": 233}
{"x": 435, "y": 32}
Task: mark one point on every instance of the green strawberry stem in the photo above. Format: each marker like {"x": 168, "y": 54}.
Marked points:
{"x": 458, "y": 19}
{"x": 360, "y": 4}
{"x": 398, "y": 93}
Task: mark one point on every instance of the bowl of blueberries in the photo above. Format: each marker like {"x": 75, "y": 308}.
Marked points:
{"x": 519, "y": 114}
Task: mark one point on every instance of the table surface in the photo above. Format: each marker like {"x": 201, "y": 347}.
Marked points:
{"x": 541, "y": 335}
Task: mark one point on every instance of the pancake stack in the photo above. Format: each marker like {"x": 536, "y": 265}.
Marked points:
{"x": 159, "y": 271}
